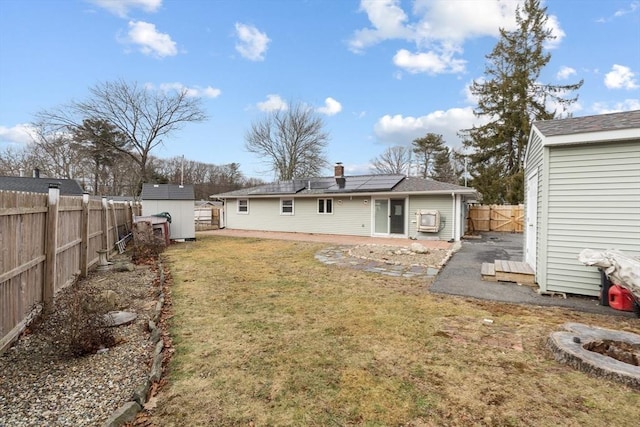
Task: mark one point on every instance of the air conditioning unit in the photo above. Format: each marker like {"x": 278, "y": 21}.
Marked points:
{"x": 428, "y": 220}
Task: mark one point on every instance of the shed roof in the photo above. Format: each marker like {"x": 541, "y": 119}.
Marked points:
{"x": 167, "y": 192}
{"x": 358, "y": 184}
{"x": 586, "y": 124}
{"x": 68, "y": 187}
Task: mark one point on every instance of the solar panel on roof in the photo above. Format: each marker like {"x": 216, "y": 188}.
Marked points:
{"x": 367, "y": 183}
{"x": 288, "y": 187}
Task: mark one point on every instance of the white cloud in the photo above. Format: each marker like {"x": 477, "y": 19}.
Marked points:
{"x": 121, "y": 7}
{"x": 633, "y": 7}
{"x": 621, "y": 77}
{"x": 211, "y": 92}
{"x": 402, "y": 130}
{"x": 388, "y": 21}
{"x": 150, "y": 41}
{"x": 273, "y": 103}
{"x": 565, "y": 72}
{"x": 331, "y": 107}
{"x": 429, "y": 62}
{"x": 252, "y": 43}
{"x": 557, "y": 32}
{"x": 195, "y": 91}
{"x": 457, "y": 21}
{"x": 18, "y": 134}
{"x": 438, "y": 29}
{"x": 626, "y": 105}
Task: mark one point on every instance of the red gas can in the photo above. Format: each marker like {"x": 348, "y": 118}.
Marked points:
{"x": 620, "y": 298}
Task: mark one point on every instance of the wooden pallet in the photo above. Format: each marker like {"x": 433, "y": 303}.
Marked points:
{"x": 508, "y": 271}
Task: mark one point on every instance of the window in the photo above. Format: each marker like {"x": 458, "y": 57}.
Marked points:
{"x": 325, "y": 206}
{"x": 243, "y": 206}
{"x": 286, "y": 206}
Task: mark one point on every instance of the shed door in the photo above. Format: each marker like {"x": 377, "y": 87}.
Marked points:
{"x": 532, "y": 220}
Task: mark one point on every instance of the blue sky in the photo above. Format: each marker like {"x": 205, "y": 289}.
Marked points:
{"x": 379, "y": 72}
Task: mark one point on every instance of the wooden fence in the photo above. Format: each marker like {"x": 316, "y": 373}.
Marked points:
{"x": 207, "y": 218}
{"x": 46, "y": 240}
{"x": 496, "y": 218}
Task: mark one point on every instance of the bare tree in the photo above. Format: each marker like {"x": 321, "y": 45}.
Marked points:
{"x": 144, "y": 116}
{"x": 52, "y": 152}
{"x": 394, "y": 160}
{"x": 14, "y": 159}
{"x": 291, "y": 141}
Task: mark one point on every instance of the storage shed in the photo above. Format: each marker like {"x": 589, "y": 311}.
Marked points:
{"x": 177, "y": 200}
{"x": 582, "y": 190}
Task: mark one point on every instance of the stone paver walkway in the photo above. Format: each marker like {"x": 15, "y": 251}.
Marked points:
{"x": 339, "y": 255}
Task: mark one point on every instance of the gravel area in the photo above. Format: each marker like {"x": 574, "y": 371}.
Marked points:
{"x": 39, "y": 385}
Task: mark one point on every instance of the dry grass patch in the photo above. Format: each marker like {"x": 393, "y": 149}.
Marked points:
{"x": 266, "y": 334}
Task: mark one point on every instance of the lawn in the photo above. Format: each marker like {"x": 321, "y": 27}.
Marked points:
{"x": 265, "y": 335}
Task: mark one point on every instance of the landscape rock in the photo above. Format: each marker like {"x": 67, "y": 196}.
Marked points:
{"x": 418, "y": 248}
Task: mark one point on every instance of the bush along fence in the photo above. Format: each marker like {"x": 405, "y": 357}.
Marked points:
{"x": 508, "y": 218}
{"x": 46, "y": 241}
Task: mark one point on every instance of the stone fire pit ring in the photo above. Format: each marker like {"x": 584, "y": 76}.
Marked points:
{"x": 569, "y": 347}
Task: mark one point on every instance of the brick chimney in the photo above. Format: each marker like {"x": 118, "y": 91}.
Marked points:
{"x": 338, "y": 172}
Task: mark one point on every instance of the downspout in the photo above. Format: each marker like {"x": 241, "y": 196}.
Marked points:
{"x": 453, "y": 217}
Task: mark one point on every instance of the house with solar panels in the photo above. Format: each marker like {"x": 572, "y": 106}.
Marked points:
{"x": 362, "y": 205}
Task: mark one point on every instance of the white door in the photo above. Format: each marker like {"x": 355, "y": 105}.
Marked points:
{"x": 531, "y": 220}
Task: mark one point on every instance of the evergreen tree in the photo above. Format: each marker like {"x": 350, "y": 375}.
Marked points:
{"x": 426, "y": 149}
{"x": 96, "y": 139}
{"x": 512, "y": 97}
{"x": 443, "y": 169}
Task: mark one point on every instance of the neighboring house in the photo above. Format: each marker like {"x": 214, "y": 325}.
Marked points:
{"x": 68, "y": 187}
{"x": 178, "y": 201}
{"x": 582, "y": 190}
{"x": 365, "y": 205}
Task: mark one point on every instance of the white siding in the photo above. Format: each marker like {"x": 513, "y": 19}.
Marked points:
{"x": 351, "y": 216}
{"x": 442, "y": 203}
{"x": 593, "y": 202}
{"x": 181, "y": 211}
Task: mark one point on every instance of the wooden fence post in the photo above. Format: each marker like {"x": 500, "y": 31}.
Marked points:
{"x": 105, "y": 226}
{"x": 116, "y": 235}
{"x": 84, "y": 236}
{"x": 51, "y": 246}
{"x": 131, "y": 215}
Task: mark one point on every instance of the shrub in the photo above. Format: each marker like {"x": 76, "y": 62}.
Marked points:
{"x": 77, "y": 323}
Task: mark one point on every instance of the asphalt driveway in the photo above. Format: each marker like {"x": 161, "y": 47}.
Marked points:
{"x": 461, "y": 276}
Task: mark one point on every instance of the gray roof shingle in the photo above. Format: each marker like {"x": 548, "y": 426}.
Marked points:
{"x": 68, "y": 187}
{"x": 167, "y": 192}
{"x": 601, "y": 122}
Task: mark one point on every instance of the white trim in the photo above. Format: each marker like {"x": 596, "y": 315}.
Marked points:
{"x": 293, "y": 204}
{"x": 590, "y": 137}
{"x": 238, "y": 211}
{"x": 325, "y": 205}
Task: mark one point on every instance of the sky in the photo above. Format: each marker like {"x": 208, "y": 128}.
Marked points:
{"x": 378, "y": 72}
